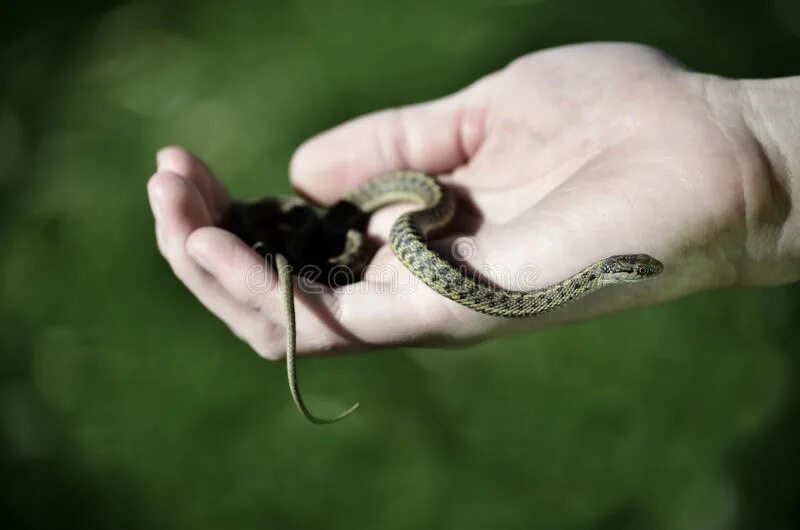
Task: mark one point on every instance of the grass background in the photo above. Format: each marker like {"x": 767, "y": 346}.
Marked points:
{"x": 124, "y": 404}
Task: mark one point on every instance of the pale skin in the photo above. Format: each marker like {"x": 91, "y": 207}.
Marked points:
{"x": 567, "y": 156}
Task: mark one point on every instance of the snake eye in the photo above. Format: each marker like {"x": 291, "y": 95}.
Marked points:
{"x": 641, "y": 270}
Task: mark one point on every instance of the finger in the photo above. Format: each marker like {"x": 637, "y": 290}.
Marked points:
{"x": 250, "y": 281}
{"x": 178, "y": 206}
{"x": 246, "y": 276}
{"x": 181, "y": 162}
{"x": 435, "y": 137}
{"x": 364, "y": 314}
{"x": 179, "y": 210}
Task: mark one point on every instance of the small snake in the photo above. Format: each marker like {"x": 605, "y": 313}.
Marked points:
{"x": 298, "y": 236}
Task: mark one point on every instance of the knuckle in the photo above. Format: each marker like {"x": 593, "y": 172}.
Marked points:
{"x": 269, "y": 351}
{"x": 160, "y": 243}
{"x": 266, "y": 339}
{"x": 181, "y": 270}
{"x": 249, "y": 299}
{"x": 390, "y": 140}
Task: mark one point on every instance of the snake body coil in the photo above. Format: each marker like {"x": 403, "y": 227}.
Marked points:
{"x": 344, "y": 223}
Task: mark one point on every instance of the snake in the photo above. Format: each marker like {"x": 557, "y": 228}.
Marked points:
{"x": 299, "y": 236}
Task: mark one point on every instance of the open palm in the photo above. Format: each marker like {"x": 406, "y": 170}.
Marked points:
{"x": 563, "y": 158}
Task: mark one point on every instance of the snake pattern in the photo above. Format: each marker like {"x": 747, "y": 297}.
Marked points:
{"x": 408, "y": 241}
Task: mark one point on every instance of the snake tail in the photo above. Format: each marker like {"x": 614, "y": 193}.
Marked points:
{"x": 285, "y": 284}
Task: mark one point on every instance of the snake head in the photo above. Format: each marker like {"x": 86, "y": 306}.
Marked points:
{"x": 631, "y": 268}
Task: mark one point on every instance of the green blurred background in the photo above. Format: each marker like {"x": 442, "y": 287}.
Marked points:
{"x": 124, "y": 404}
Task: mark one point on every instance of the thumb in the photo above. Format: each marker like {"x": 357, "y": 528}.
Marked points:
{"x": 434, "y": 137}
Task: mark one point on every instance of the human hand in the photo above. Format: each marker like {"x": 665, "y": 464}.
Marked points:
{"x": 565, "y": 157}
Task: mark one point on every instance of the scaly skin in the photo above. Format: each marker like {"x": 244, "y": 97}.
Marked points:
{"x": 408, "y": 242}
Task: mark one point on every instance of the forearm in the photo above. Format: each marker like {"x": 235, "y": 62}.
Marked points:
{"x": 771, "y": 109}
{"x": 762, "y": 119}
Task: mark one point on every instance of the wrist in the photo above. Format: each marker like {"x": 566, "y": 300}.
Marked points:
{"x": 762, "y": 119}
{"x": 771, "y": 110}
